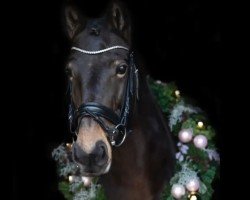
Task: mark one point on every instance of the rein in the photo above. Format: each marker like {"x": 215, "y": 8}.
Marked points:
{"x": 118, "y": 133}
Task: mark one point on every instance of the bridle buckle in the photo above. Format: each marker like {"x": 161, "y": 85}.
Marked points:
{"x": 120, "y": 129}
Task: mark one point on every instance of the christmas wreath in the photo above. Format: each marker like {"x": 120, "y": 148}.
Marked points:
{"x": 197, "y": 158}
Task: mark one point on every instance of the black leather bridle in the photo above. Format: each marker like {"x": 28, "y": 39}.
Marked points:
{"x": 121, "y": 123}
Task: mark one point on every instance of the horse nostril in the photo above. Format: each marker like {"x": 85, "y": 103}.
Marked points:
{"x": 101, "y": 152}
{"x": 79, "y": 155}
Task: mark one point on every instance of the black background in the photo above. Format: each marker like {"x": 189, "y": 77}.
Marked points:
{"x": 181, "y": 41}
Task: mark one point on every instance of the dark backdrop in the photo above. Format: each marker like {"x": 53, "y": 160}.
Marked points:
{"x": 180, "y": 41}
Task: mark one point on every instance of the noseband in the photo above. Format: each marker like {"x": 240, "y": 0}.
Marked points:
{"x": 118, "y": 133}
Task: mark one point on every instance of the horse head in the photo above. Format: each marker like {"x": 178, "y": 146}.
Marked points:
{"x": 102, "y": 83}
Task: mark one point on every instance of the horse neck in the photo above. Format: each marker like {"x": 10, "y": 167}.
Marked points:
{"x": 147, "y": 108}
{"x": 144, "y": 152}
{"x": 147, "y": 123}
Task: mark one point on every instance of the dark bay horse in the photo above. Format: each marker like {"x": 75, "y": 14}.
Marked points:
{"x": 121, "y": 134}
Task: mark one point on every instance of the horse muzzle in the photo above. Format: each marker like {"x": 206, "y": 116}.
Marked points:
{"x": 91, "y": 151}
{"x": 93, "y": 163}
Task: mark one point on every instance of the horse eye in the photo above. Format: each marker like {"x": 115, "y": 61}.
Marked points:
{"x": 121, "y": 70}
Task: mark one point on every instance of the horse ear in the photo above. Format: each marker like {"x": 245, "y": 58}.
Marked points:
{"x": 73, "y": 20}
{"x": 120, "y": 20}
